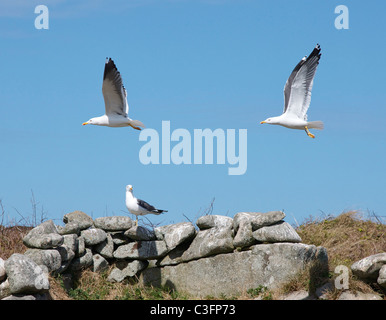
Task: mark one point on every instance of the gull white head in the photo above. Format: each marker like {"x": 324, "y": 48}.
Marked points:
{"x": 129, "y": 188}
{"x": 273, "y": 120}
{"x": 95, "y": 121}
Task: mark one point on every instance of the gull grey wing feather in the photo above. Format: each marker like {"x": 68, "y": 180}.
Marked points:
{"x": 299, "y": 89}
{"x": 113, "y": 91}
{"x": 288, "y": 84}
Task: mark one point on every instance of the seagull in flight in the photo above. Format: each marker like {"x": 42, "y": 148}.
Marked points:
{"x": 138, "y": 206}
{"x": 297, "y": 96}
{"x": 115, "y": 96}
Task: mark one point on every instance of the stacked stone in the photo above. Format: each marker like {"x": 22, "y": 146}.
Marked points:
{"x": 255, "y": 227}
{"x": 229, "y": 255}
{"x": 86, "y": 243}
{"x": 148, "y": 246}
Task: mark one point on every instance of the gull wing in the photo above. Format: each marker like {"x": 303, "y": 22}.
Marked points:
{"x": 297, "y": 90}
{"x": 288, "y": 84}
{"x": 145, "y": 205}
{"x": 113, "y": 90}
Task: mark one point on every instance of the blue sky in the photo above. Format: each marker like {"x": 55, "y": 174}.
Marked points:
{"x": 198, "y": 64}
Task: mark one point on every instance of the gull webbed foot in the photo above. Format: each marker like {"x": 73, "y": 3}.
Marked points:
{"x": 309, "y": 133}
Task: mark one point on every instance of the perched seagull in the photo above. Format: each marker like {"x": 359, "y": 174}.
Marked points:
{"x": 297, "y": 96}
{"x": 117, "y": 108}
{"x": 138, "y": 206}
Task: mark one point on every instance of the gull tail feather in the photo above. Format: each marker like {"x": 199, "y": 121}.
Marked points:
{"x": 137, "y": 123}
{"x": 159, "y": 211}
{"x": 315, "y": 125}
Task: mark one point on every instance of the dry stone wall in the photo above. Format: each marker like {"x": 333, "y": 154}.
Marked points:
{"x": 223, "y": 255}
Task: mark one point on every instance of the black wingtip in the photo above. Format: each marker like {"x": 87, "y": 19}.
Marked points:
{"x": 109, "y": 65}
{"x": 316, "y": 52}
{"x": 319, "y": 49}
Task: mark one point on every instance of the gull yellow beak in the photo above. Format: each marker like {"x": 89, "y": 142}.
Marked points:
{"x": 262, "y": 122}
{"x": 84, "y": 123}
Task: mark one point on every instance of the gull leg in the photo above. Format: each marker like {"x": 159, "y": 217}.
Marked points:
{"x": 136, "y": 222}
{"x": 309, "y": 133}
{"x": 136, "y": 128}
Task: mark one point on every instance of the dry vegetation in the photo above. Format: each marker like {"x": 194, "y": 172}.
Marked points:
{"x": 11, "y": 240}
{"x": 348, "y": 238}
{"x": 12, "y": 232}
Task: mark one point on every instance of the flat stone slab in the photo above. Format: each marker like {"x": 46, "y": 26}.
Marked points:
{"x": 125, "y": 269}
{"x": 82, "y": 219}
{"x": 209, "y": 242}
{"x": 140, "y": 233}
{"x": 50, "y": 258}
{"x": 212, "y": 221}
{"x": 114, "y": 223}
{"x": 93, "y": 236}
{"x": 175, "y": 234}
{"x": 141, "y": 250}
{"x": 279, "y": 232}
{"x": 244, "y": 223}
{"x": 44, "y": 236}
{"x": 368, "y": 268}
{"x": 268, "y": 265}
{"x": 258, "y": 219}
{"x": 69, "y": 228}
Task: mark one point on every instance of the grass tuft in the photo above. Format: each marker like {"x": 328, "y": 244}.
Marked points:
{"x": 347, "y": 237}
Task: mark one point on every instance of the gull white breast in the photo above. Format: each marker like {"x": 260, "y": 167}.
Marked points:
{"x": 139, "y": 207}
